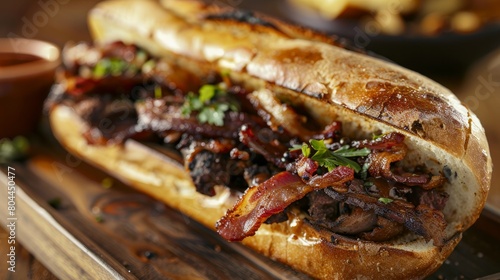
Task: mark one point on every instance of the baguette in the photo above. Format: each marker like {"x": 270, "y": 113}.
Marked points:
{"x": 277, "y": 61}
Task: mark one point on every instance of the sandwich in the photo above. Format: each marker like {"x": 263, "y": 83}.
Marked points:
{"x": 335, "y": 163}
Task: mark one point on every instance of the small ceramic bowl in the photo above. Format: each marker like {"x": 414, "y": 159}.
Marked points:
{"x": 27, "y": 70}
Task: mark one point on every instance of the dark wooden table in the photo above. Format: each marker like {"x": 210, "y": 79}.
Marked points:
{"x": 477, "y": 255}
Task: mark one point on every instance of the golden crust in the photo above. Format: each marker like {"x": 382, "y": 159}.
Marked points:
{"x": 367, "y": 94}
{"x": 348, "y": 259}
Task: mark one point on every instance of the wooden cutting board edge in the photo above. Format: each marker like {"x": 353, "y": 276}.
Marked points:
{"x": 50, "y": 242}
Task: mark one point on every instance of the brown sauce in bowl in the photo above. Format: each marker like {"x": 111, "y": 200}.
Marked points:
{"x": 10, "y": 59}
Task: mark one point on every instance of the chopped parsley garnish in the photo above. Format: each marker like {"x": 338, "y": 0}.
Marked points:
{"x": 210, "y": 104}
{"x": 107, "y": 182}
{"x": 207, "y": 92}
{"x": 225, "y": 72}
{"x": 306, "y": 151}
{"x": 99, "y": 218}
{"x": 117, "y": 66}
{"x": 331, "y": 159}
{"x": 158, "y": 92}
{"x": 364, "y": 170}
{"x": 385, "y": 200}
{"x": 377, "y": 136}
{"x": 213, "y": 114}
{"x": 109, "y": 66}
{"x": 148, "y": 66}
{"x": 192, "y": 103}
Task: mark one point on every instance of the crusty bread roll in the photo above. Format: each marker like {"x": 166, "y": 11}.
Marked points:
{"x": 366, "y": 94}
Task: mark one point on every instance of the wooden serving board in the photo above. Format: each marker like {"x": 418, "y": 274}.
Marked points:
{"x": 82, "y": 224}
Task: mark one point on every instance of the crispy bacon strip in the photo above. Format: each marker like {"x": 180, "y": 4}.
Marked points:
{"x": 269, "y": 198}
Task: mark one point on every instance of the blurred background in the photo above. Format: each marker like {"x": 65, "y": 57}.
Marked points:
{"x": 456, "y": 42}
{"x": 55, "y": 21}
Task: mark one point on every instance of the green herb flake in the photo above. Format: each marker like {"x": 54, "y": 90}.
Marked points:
{"x": 364, "y": 170}
{"x": 100, "y": 69}
{"x": 318, "y": 145}
{"x": 339, "y": 160}
{"x": 109, "y": 66}
{"x": 225, "y": 72}
{"x": 158, "y": 92}
{"x": 339, "y": 157}
{"x": 99, "y": 218}
{"x": 117, "y": 66}
{"x": 306, "y": 150}
{"x": 107, "y": 182}
{"x": 140, "y": 57}
{"x": 214, "y": 114}
{"x": 385, "y": 200}
{"x": 377, "y": 136}
{"x": 14, "y": 149}
{"x": 192, "y": 103}
{"x": 345, "y": 151}
{"x": 207, "y": 92}
{"x": 208, "y": 105}
{"x": 148, "y": 66}
{"x": 295, "y": 147}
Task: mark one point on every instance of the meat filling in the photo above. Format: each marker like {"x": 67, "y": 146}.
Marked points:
{"x": 240, "y": 138}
